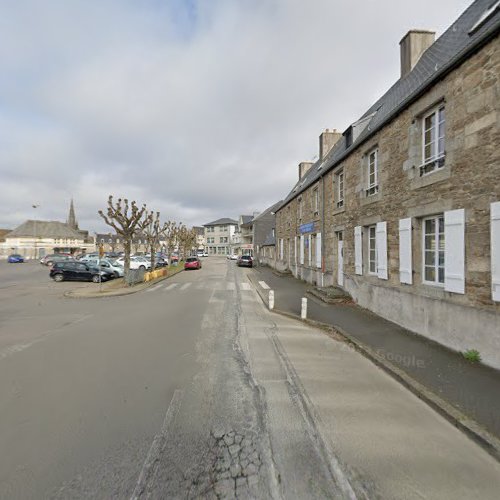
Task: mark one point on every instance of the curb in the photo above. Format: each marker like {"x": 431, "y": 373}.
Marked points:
{"x": 467, "y": 425}
{"x": 70, "y": 294}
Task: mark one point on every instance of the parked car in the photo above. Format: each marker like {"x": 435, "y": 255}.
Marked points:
{"x": 205, "y": 254}
{"x": 233, "y": 256}
{"x": 108, "y": 265}
{"x": 192, "y": 263}
{"x": 15, "y": 258}
{"x": 136, "y": 262}
{"x": 88, "y": 256}
{"x": 78, "y": 271}
{"x": 50, "y": 259}
{"x": 245, "y": 261}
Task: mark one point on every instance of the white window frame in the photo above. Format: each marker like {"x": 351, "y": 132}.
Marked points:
{"x": 435, "y": 160}
{"x": 340, "y": 187}
{"x": 372, "y": 171}
{"x": 372, "y": 240}
{"x": 437, "y": 240}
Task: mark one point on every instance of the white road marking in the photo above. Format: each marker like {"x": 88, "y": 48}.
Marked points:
{"x": 245, "y": 286}
{"x": 13, "y": 349}
{"x": 185, "y": 286}
{"x": 264, "y": 285}
{"x": 230, "y": 286}
{"x": 153, "y": 288}
{"x": 157, "y": 445}
{"x": 169, "y": 287}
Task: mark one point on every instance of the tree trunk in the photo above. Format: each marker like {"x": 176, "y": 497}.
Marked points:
{"x": 126, "y": 249}
{"x": 152, "y": 248}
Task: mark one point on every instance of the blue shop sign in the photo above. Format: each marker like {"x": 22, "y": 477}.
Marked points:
{"x": 306, "y": 228}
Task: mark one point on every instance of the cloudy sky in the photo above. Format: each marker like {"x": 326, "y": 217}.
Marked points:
{"x": 199, "y": 108}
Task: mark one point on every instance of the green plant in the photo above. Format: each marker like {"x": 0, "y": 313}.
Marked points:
{"x": 472, "y": 355}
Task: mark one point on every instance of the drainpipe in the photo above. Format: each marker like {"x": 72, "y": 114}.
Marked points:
{"x": 323, "y": 235}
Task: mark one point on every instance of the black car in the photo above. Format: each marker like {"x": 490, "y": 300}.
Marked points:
{"x": 78, "y": 271}
{"x": 245, "y": 261}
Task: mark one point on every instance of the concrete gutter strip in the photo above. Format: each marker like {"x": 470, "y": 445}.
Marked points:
{"x": 470, "y": 427}
{"x": 87, "y": 293}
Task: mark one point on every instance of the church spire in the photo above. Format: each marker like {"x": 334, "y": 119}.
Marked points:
{"x": 71, "y": 218}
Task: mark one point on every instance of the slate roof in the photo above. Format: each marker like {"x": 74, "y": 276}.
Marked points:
{"x": 220, "y": 222}
{"x": 454, "y": 46}
{"x": 270, "y": 240}
{"x": 45, "y": 229}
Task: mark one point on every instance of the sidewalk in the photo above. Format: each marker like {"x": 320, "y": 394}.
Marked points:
{"x": 467, "y": 394}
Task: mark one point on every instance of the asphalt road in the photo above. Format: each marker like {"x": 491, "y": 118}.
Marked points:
{"x": 191, "y": 389}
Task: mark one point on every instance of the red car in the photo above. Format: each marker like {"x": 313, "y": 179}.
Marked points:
{"x": 192, "y": 263}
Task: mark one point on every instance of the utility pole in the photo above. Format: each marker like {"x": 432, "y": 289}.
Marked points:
{"x": 34, "y": 230}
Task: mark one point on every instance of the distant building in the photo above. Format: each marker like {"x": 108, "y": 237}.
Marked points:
{"x": 219, "y": 236}
{"x": 263, "y": 232}
{"x": 200, "y": 237}
{"x": 36, "y": 238}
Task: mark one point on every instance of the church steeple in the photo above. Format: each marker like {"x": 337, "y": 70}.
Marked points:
{"x": 72, "y": 222}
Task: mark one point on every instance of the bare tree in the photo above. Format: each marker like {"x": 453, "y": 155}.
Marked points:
{"x": 170, "y": 233}
{"x": 187, "y": 240}
{"x": 152, "y": 229}
{"x": 125, "y": 219}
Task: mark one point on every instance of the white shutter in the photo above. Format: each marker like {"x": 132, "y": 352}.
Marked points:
{"x": 358, "y": 250}
{"x": 405, "y": 262}
{"x": 495, "y": 251}
{"x": 309, "y": 253}
{"x": 281, "y": 248}
{"x": 381, "y": 244}
{"x": 454, "y": 251}
{"x": 295, "y": 250}
{"x": 302, "y": 249}
{"x": 318, "y": 250}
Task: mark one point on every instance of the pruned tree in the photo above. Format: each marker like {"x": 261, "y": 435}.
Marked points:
{"x": 152, "y": 229}
{"x": 125, "y": 219}
{"x": 187, "y": 240}
{"x": 170, "y": 233}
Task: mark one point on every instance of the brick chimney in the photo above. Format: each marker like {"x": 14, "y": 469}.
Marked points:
{"x": 327, "y": 140}
{"x": 412, "y": 46}
{"x": 304, "y": 168}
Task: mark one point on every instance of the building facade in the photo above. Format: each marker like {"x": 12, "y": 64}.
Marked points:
{"x": 219, "y": 236}
{"x": 402, "y": 210}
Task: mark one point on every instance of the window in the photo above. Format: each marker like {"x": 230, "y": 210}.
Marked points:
{"x": 316, "y": 201}
{"x": 372, "y": 250}
{"x": 433, "y": 250}
{"x": 433, "y": 153}
{"x": 339, "y": 180}
{"x": 372, "y": 174}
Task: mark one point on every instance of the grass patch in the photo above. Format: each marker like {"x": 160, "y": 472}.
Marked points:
{"x": 472, "y": 355}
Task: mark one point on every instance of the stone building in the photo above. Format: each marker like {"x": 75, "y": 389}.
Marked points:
{"x": 402, "y": 210}
{"x": 219, "y": 236}
{"x": 35, "y": 238}
{"x": 263, "y": 230}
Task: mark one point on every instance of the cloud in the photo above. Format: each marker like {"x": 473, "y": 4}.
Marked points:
{"x": 199, "y": 109}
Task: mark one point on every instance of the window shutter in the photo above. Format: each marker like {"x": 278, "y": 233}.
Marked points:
{"x": 454, "y": 251}
{"x": 309, "y": 253}
{"x": 302, "y": 249}
{"x": 405, "y": 262}
{"x": 281, "y": 248}
{"x": 495, "y": 251}
{"x": 381, "y": 244}
{"x": 318, "y": 250}
{"x": 358, "y": 250}
{"x": 295, "y": 250}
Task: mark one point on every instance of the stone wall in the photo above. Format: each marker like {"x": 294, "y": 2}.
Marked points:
{"x": 470, "y": 180}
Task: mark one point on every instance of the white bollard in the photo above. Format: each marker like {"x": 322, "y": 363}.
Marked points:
{"x": 271, "y": 299}
{"x": 303, "y": 312}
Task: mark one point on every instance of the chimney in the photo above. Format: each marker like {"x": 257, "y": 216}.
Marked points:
{"x": 412, "y": 46}
{"x": 304, "y": 168}
{"x": 327, "y": 140}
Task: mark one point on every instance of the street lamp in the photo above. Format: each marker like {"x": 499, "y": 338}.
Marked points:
{"x": 35, "y": 207}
